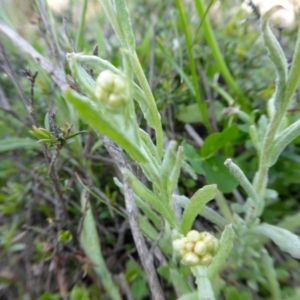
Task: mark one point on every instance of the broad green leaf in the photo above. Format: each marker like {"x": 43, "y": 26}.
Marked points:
{"x": 196, "y": 205}
{"x": 284, "y": 239}
{"x": 137, "y": 279}
{"x": 16, "y": 143}
{"x": 189, "y": 114}
{"x": 216, "y": 172}
{"x": 217, "y": 141}
{"x": 193, "y": 157}
{"x": 79, "y": 293}
{"x": 49, "y": 296}
{"x": 232, "y": 292}
{"x": 226, "y": 244}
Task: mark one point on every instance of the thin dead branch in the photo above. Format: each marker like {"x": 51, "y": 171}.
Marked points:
{"x": 145, "y": 256}
{"x": 57, "y": 73}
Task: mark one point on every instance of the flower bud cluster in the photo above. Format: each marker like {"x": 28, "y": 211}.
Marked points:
{"x": 196, "y": 248}
{"x": 111, "y": 89}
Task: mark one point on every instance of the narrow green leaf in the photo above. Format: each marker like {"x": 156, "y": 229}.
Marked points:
{"x": 204, "y": 286}
{"x": 164, "y": 242}
{"x": 79, "y": 41}
{"x": 180, "y": 281}
{"x": 143, "y": 192}
{"x": 268, "y": 267}
{"x": 226, "y": 244}
{"x": 176, "y": 171}
{"x": 207, "y": 213}
{"x": 290, "y": 222}
{"x": 196, "y": 205}
{"x": 167, "y": 166}
{"x": 254, "y": 138}
{"x": 216, "y": 52}
{"x": 110, "y": 12}
{"x": 277, "y": 56}
{"x": 89, "y": 240}
{"x": 125, "y": 23}
{"x": 15, "y": 143}
{"x": 85, "y": 81}
{"x": 284, "y": 239}
{"x": 283, "y": 139}
{"x": 113, "y": 125}
{"x": 242, "y": 179}
{"x": 179, "y": 69}
{"x": 294, "y": 73}
{"x": 143, "y": 206}
{"x": 149, "y": 144}
{"x": 192, "y": 64}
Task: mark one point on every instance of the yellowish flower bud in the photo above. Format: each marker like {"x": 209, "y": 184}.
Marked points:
{"x": 200, "y": 248}
{"x": 190, "y": 259}
{"x": 106, "y": 80}
{"x": 189, "y": 246}
{"x": 120, "y": 85}
{"x": 193, "y": 236}
{"x": 115, "y": 100}
{"x": 179, "y": 244}
{"x": 111, "y": 89}
{"x": 209, "y": 240}
{"x": 206, "y": 260}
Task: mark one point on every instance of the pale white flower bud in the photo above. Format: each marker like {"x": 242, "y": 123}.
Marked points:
{"x": 106, "y": 80}
{"x": 115, "y": 100}
{"x": 179, "y": 244}
{"x": 111, "y": 89}
{"x": 190, "y": 259}
{"x": 193, "y": 236}
{"x": 120, "y": 85}
{"x": 209, "y": 240}
{"x": 200, "y": 248}
{"x": 189, "y": 246}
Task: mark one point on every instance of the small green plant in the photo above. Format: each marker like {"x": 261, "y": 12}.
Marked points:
{"x": 109, "y": 109}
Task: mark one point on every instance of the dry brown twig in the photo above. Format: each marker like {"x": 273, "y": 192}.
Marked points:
{"x": 146, "y": 257}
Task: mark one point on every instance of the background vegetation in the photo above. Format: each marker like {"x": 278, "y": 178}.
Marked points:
{"x": 41, "y": 256}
